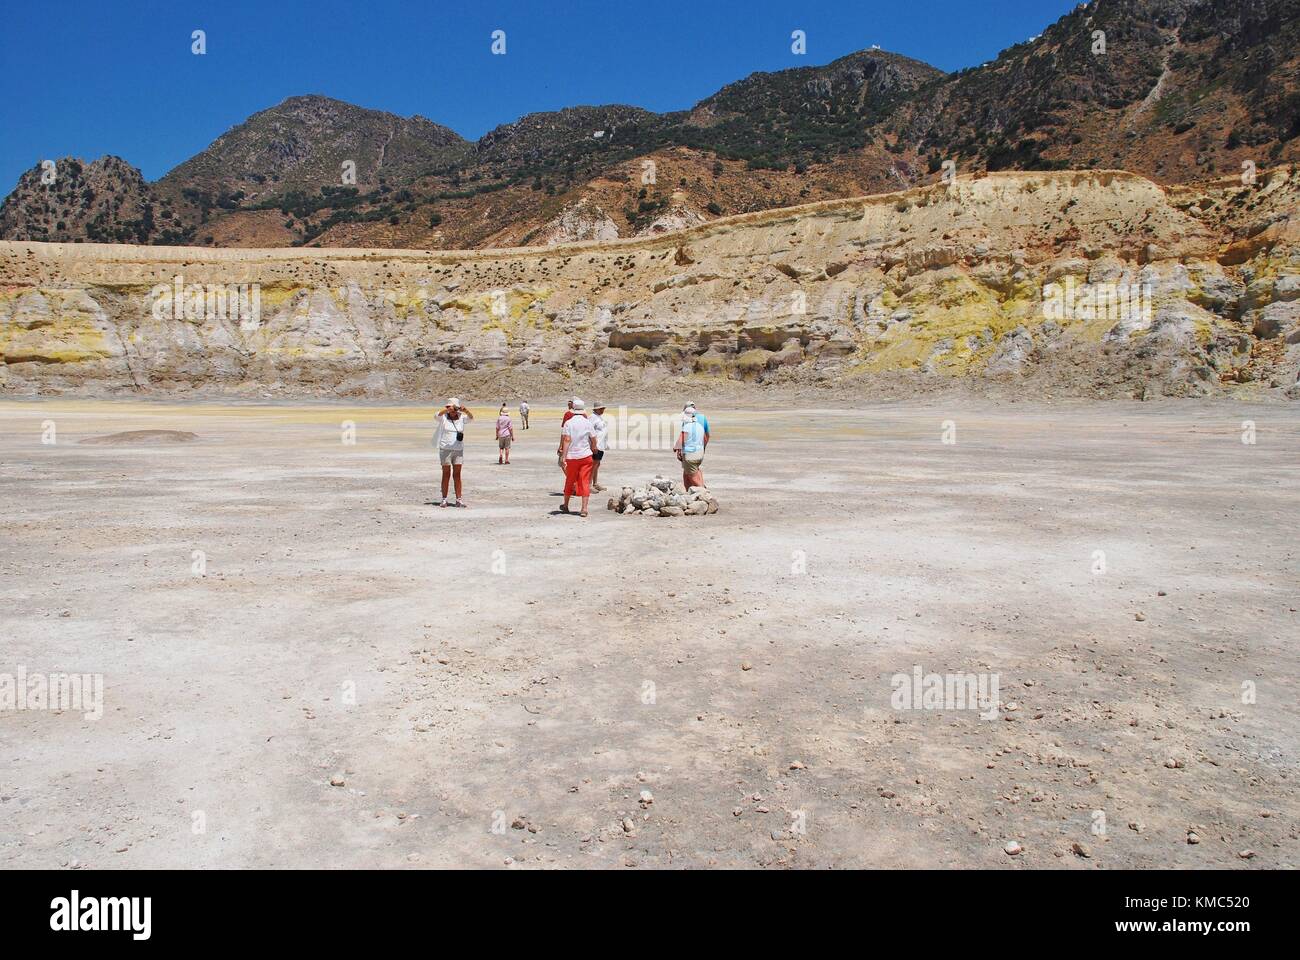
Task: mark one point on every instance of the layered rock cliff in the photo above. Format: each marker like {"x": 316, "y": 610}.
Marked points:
{"x": 1084, "y": 282}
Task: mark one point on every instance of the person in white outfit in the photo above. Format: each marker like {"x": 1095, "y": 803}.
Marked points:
{"x": 601, "y": 429}
{"x": 450, "y": 441}
{"x": 577, "y": 444}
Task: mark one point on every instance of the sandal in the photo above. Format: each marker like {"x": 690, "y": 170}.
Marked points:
{"x": 583, "y": 513}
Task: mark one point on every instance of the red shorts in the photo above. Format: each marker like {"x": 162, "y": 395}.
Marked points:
{"x": 577, "y": 477}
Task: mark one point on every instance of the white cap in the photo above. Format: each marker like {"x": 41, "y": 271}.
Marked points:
{"x": 690, "y": 408}
{"x": 578, "y": 404}
{"x": 453, "y": 401}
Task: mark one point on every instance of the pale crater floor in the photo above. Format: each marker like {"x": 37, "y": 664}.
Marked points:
{"x": 608, "y": 658}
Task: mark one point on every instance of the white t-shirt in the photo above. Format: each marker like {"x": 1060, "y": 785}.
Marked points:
{"x": 601, "y": 428}
{"x": 581, "y": 434}
{"x": 445, "y": 439}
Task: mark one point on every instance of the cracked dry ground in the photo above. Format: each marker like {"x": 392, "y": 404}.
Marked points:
{"x": 351, "y": 684}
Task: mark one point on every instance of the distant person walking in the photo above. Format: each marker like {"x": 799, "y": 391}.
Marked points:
{"x": 505, "y": 435}
{"x": 450, "y": 441}
{"x": 601, "y": 429}
{"x": 523, "y": 413}
{"x": 577, "y": 445}
{"x": 690, "y": 446}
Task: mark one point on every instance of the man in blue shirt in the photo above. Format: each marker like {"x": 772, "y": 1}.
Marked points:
{"x": 703, "y": 420}
{"x": 691, "y": 443}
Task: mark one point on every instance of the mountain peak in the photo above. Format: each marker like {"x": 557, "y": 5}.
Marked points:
{"x": 309, "y": 140}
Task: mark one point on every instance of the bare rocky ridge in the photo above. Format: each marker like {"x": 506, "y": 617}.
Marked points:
{"x": 935, "y": 283}
{"x": 105, "y": 201}
{"x": 1179, "y": 91}
{"x": 303, "y": 142}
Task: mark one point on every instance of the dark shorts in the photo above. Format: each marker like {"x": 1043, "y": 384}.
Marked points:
{"x": 599, "y": 455}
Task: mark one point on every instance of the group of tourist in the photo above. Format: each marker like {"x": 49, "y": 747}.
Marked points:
{"x": 584, "y": 440}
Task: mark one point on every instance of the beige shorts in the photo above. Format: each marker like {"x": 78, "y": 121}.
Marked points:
{"x": 692, "y": 461}
{"x": 503, "y": 443}
{"x": 450, "y": 457}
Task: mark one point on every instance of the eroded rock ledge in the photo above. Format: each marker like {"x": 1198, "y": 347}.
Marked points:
{"x": 943, "y": 280}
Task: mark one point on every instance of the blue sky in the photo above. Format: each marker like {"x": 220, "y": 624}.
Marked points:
{"x": 117, "y": 76}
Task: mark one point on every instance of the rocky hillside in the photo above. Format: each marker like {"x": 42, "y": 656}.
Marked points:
{"x": 542, "y": 143}
{"x": 1180, "y": 91}
{"x": 804, "y": 116}
{"x": 106, "y": 201}
{"x": 304, "y": 142}
{"x": 1068, "y": 283}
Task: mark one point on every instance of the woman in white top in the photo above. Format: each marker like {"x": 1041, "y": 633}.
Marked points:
{"x": 577, "y": 443}
{"x": 601, "y": 429}
{"x": 450, "y": 441}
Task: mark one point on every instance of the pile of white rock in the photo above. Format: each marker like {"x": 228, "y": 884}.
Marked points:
{"x": 663, "y": 497}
